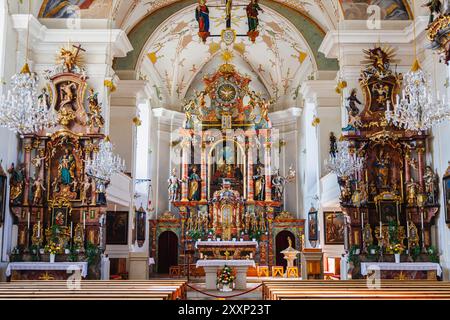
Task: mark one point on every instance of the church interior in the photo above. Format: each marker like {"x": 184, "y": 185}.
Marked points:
{"x": 218, "y": 149}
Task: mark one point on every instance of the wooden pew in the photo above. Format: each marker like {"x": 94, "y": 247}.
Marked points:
{"x": 95, "y": 290}
{"x": 286, "y": 289}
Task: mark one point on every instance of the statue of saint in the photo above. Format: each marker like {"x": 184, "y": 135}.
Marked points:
{"x": 228, "y": 7}
{"x": 194, "y": 185}
{"x": 262, "y": 222}
{"x": 95, "y": 110}
{"x": 278, "y": 183}
{"x": 354, "y": 120}
{"x": 66, "y": 168}
{"x": 202, "y": 16}
{"x": 84, "y": 193}
{"x": 382, "y": 165}
{"x": 253, "y": 9}
{"x": 38, "y": 187}
{"x": 174, "y": 186}
{"x": 430, "y": 184}
{"x": 412, "y": 189}
{"x": 67, "y": 95}
{"x": 17, "y": 182}
{"x": 260, "y": 183}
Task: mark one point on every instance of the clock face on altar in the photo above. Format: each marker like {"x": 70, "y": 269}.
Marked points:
{"x": 227, "y": 93}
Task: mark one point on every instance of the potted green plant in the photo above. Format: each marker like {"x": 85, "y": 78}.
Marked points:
{"x": 433, "y": 254}
{"x": 415, "y": 252}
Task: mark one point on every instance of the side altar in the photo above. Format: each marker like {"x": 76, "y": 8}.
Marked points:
{"x": 57, "y": 203}
{"x": 226, "y": 184}
{"x": 391, "y": 198}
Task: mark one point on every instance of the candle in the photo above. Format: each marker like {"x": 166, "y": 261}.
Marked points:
{"x": 84, "y": 219}
{"x": 71, "y": 230}
{"x": 39, "y": 229}
{"x": 28, "y": 219}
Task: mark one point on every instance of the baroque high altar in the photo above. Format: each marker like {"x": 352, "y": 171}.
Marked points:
{"x": 394, "y": 191}
{"x": 53, "y": 198}
{"x": 224, "y": 185}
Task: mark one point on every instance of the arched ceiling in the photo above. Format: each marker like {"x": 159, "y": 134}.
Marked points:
{"x": 175, "y": 59}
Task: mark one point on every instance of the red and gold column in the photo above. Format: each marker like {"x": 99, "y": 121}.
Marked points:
{"x": 268, "y": 167}
{"x": 203, "y": 173}
{"x": 250, "y": 187}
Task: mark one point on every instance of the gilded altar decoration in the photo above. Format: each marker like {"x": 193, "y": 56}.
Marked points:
{"x": 439, "y": 28}
{"x": 225, "y": 186}
{"x": 95, "y": 111}
{"x": 50, "y": 177}
{"x": 390, "y": 188}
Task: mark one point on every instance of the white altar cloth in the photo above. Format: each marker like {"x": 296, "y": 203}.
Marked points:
{"x": 406, "y": 266}
{"x": 72, "y": 266}
{"x": 226, "y": 243}
{"x": 222, "y": 263}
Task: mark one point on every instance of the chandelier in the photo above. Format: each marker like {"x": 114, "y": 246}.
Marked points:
{"x": 104, "y": 163}
{"x": 20, "y": 110}
{"x": 417, "y": 110}
{"x": 344, "y": 163}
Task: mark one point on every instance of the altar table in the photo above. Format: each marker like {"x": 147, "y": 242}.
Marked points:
{"x": 211, "y": 267}
{"x": 218, "y": 250}
{"x": 403, "y": 271}
{"x": 45, "y": 270}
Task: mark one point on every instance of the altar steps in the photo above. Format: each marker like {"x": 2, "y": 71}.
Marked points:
{"x": 287, "y": 289}
{"x": 94, "y": 290}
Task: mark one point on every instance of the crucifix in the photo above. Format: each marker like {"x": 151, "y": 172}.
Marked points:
{"x": 78, "y": 49}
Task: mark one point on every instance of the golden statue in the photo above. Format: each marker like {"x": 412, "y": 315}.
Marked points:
{"x": 95, "y": 110}
{"x": 412, "y": 189}
{"x": 289, "y": 241}
{"x": 68, "y": 58}
{"x": 38, "y": 191}
{"x": 259, "y": 180}
{"x": 78, "y": 238}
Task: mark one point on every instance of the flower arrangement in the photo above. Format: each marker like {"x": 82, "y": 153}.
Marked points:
{"x": 226, "y": 276}
{"x": 53, "y": 248}
{"x": 396, "y": 248}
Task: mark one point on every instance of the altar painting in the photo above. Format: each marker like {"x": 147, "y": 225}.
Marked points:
{"x": 334, "y": 227}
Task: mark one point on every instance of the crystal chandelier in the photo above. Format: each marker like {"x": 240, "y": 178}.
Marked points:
{"x": 104, "y": 163}
{"x": 20, "y": 110}
{"x": 344, "y": 164}
{"x": 417, "y": 110}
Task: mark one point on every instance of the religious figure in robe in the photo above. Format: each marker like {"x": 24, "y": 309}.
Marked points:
{"x": 66, "y": 168}
{"x": 259, "y": 181}
{"x": 202, "y": 16}
{"x": 63, "y": 9}
{"x": 194, "y": 185}
{"x": 382, "y": 165}
{"x": 16, "y": 182}
{"x": 228, "y": 7}
{"x": 253, "y": 9}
